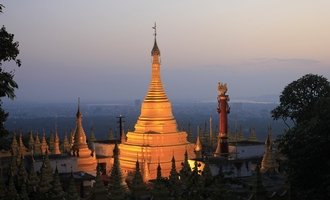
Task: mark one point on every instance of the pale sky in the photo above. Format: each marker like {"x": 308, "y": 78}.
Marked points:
{"x": 100, "y": 50}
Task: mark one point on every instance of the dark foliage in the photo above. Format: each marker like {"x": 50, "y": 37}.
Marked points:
{"x": 8, "y": 52}
{"x": 298, "y": 98}
{"x": 306, "y": 144}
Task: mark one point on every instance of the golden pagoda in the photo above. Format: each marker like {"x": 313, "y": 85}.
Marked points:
{"x": 156, "y": 137}
{"x": 14, "y": 145}
{"x": 268, "y": 163}
{"x": 37, "y": 145}
{"x": 44, "y": 146}
{"x": 21, "y": 147}
{"x": 198, "y": 145}
{"x": 56, "y": 148}
{"x": 85, "y": 160}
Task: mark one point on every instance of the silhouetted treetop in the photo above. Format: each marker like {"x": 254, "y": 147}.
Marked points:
{"x": 298, "y": 98}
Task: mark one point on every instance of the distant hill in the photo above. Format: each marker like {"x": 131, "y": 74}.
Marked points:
{"x": 102, "y": 117}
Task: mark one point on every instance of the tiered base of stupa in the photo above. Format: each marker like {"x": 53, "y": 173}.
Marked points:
{"x": 86, "y": 162}
{"x": 152, "y": 148}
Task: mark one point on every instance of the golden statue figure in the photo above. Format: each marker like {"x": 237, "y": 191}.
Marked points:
{"x": 222, "y": 88}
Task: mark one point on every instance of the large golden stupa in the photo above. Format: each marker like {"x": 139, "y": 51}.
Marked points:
{"x": 156, "y": 138}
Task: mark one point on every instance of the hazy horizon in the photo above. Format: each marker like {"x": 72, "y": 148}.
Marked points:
{"x": 100, "y": 51}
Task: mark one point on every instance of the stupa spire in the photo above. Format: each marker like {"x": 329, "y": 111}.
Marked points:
{"x": 44, "y": 145}
{"x": 37, "y": 145}
{"x": 268, "y": 163}
{"x": 78, "y": 110}
{"x": 21, "y": 146}
{"x": 198, "y": 144}
{"x": 56, "y": 149}
{"x": 14, "y": 145}
{"x": 79, "y": 135}
{"x": 51, "y": 142}
{"x": 156, "y": 91}
{"x": 85, "y": 160}
{"x": 155, "y": 50}
{"x": 156, "y": 106}
{"x": 268, "y": 142}
{"x": 66, "y": 144}
{"x": 31, "y": 141}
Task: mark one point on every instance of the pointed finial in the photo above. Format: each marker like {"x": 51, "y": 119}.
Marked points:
{"x": 155, "y": 29}
{"x": 155, "y": 49}
{"x": 78, "y": 111}
{"x": 78, "y": 103}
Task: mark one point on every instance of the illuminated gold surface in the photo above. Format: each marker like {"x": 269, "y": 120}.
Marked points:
{"x": 57, "y": 150}
{"x": 85, "y": 161}
{"x": 268, "y": 162}
{"x": 155, "y": 138}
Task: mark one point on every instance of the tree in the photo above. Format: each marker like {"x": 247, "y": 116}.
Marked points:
{"x": 207, "y": 174}
{"x": 298, "y": 98}
{"x": 56, "y": 191}
{"x": 306, "y": 144}
{"x": 21, "y": 174}
{"x": 46, "y": 178}
{"x": 99, "y": 191}
{"x": 159, "y": 190}
{"x": 174, "y": 183}
{"x": 138, "y": 188}
{"x": 11, "y": 191}
{"x": 23, "y": 193}
{"x": 33, "y": 179}
{"x": 8, "y": 52}
{"x": 2, "y": 188}
{"x": 72, "y": 193}
{"x": 185, "y": 170}
{"x": 117, "y": 188}
{"x": 259, "y": 192}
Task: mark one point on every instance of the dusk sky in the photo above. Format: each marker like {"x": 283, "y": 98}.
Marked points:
{"x": 100, "y": 50}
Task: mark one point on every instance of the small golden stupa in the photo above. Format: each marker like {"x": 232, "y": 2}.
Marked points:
{"x": 268, "y": 163}
{"x": 85, "y": 160}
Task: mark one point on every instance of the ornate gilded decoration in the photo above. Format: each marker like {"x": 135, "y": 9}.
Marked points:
{"x": 222, "y": 88}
